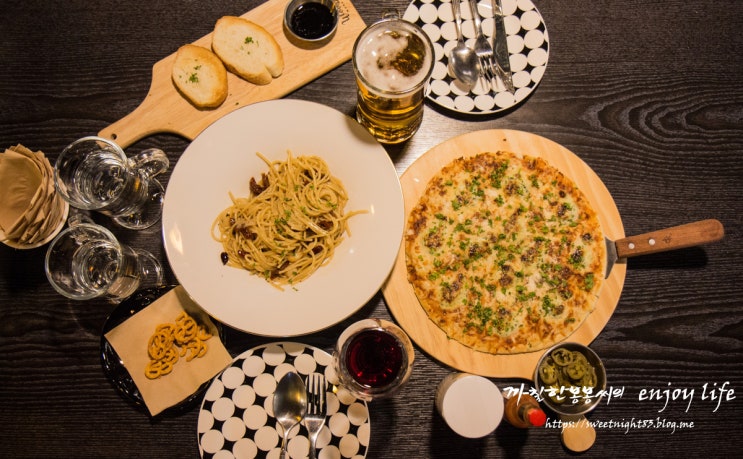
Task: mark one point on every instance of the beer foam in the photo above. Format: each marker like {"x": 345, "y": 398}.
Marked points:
{"x": 374, "y": 60}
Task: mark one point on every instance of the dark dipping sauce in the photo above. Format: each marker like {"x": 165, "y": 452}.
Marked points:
{"x": 312, "y": 21}
{"x": 374, "y": 358}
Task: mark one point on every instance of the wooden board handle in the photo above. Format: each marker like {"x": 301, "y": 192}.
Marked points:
{"x": 676, "y": 237}
{"x": 155, "y": 113}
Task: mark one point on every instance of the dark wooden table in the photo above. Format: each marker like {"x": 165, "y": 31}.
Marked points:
{"x": 649, "y": 94}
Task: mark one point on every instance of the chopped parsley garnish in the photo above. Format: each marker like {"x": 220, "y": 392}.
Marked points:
{"x": 589, "y": 281}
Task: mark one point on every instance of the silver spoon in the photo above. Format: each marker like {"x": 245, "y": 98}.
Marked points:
{"x": 463, "y": 60}
{"x": 289, "y": 405}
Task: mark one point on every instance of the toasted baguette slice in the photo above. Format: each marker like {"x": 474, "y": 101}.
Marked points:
{"x": 200, "y": 76}
{"x": 247, "y": 49}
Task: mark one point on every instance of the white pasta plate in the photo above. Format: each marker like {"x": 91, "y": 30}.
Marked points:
{"x": 223, "y": 158}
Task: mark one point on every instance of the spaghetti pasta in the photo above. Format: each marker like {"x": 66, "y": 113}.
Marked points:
{"x": 291, "y": 223}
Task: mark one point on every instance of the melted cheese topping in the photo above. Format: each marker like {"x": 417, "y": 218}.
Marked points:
{"x": 504, "y": 253}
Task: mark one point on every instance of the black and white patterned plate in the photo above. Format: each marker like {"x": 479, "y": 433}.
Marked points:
{"x": 528, "y": 46}
{"x": 236, "y": 417}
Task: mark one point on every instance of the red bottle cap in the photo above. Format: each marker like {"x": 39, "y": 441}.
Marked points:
{"x": 537, "y": 418}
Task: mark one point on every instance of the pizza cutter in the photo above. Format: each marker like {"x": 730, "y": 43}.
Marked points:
{"x": 675, "y": 237}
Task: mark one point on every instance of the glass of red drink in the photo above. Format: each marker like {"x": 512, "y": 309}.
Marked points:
{"x": 373, "y": 358}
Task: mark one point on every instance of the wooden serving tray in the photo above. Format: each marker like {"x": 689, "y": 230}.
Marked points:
{"x": 165, "y": 110}
{"x": 399, "y": 293}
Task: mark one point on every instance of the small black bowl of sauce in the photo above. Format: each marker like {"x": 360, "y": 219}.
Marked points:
{"x": 310, "y": 22}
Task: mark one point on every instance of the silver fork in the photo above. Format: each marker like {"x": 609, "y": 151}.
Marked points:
{"x": 316, "y": 409}
{"x": 483, "y": 49}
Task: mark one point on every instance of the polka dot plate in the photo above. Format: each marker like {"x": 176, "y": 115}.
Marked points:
{"x": 236, "y": 417}
{"x": 528, "y": 47}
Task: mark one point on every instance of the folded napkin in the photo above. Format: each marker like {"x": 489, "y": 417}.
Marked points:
{"x": 31, "y": 211}
{"x": 131, "y": 338}
{"x": 20, "y": 178}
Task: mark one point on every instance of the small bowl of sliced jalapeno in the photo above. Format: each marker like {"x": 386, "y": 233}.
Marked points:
{"x": 570, "y": 378}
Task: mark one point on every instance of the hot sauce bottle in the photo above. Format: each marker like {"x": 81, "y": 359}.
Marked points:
{"x": 522, "y": 410}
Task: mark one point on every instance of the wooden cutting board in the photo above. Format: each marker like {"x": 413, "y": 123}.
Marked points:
{"x": 400, "y": 296}
{"x": 165, "y": 110}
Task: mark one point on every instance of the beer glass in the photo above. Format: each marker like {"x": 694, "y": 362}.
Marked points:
{"x": 93, "y": 173}
{"x": 87, "y": 261}
{"x": 392, "y": 60}
{"x": 373, "y": 358}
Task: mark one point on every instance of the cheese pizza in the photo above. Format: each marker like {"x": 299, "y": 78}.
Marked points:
{"x": 505, "y": 253}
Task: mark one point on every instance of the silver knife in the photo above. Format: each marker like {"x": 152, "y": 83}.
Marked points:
{"x": 676, "y": 237}
{"x": 500, "y": 46}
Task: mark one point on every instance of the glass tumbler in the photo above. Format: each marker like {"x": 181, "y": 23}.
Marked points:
{"x": 93, "y": 173}
{"x": 86, "y": 261}
{"x": 373, "y": 358}
{"x": 392, "y": 61}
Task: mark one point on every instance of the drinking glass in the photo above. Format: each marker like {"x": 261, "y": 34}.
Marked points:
{"x": 93, "y": 173}
{"x": 373, "y": 358}
{"x": 392, "y": 60}
{"x": 87, "y": 261}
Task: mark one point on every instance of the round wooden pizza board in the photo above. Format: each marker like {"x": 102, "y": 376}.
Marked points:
{"x": 399, "y": 293}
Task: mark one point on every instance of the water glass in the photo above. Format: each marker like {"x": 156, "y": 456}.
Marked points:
{"x": 373, "y": 358}
{"x": 93, "y": 173}
{"x": 392, "y": 60}
{"x": 87, "y": 261}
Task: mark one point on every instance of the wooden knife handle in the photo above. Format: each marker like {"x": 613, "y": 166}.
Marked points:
{"x": 675, "y": 237}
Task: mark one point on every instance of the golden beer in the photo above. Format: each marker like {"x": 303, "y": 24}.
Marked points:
{"x": 392, "y": 60}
